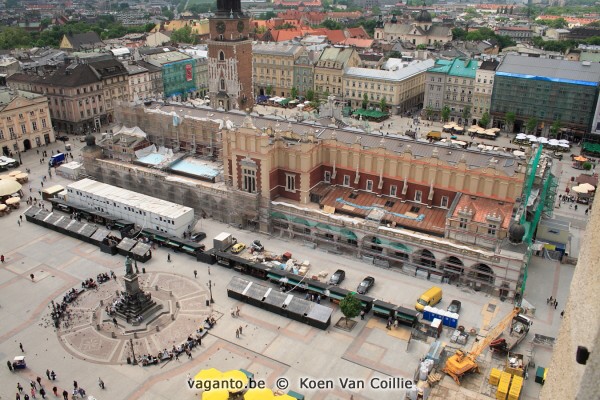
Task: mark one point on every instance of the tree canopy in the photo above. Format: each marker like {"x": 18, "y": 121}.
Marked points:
{"x": 350, "y": 306}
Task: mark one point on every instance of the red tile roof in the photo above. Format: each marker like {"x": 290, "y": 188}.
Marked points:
{"x": 360, "y": 43}
{"x": 482, "y": 207}
{"x": 358, "y": 32}
{"x": 336, "y": 36}
{"x": 415, "y": 216}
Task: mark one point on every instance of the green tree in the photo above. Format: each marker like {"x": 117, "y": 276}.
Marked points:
{"x": 421, "y": 46}
{"x": 269, "y": 90}
{"x": 287, "y": 25}
{"x": 376, "y": 10}
{"x": 555, "y": 128}
{"x": 383, "y": 104}
{"x": 586, "y": 165}
{"x": 459, "y": 34}
{"x": 466, "y": 114}
{"x": 445, "y": 113}
{"x": 310, "y": 95}
{"x": 365, "y": 101}
{"x": 331, "y": 24}
{"x": 350, "y": 307}
{"x": 484, "y": 121}
{"x": 429, "y": 112}
{"x": 168, "y": 13}
{"x": 531, "y": 125}
{"x": 510, "y": 121}
{"x": 183, "y": 35}
{"x": 294, "y": 92}
{"x": 123, "y": 6}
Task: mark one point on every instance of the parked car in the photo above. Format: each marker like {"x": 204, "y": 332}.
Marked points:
{"x": 257, "y": 245}
{"x": 454, "y": 306}
{"x": 237, "y": 248}
{"x": 198, "y": 236}
{"x": 337, "y": 277}
{"x": 365, "y": 285}
{"x": 63, "y": 138}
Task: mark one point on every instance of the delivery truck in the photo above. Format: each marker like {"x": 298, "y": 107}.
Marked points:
{"x": 56, "y": 160}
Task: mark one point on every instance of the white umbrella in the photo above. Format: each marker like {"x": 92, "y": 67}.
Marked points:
{"x": 481, "y": 146}
{"x": 588, "y": 186}
{"x": 554, "y": 141}
{"x": 8, "y": 187}
{"x": 564, "y": 146}
{"x": 543, "y": 140}
{"x": 564, "y": 141}
{"x": 579, "y": 189}
{"x": 533, "y": 139}
{"x": 519, "y": 153}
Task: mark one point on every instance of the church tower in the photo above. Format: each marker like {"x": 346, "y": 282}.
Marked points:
{"x": 230, "y": 58}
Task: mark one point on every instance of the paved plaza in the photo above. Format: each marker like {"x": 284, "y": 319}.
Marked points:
{"x": 270, "y": 346}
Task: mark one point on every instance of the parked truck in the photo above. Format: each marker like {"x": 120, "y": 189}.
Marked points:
{"x": 56, "y": 160}
{"x": 223, "y": 241}
{"x": 513, "y": 334}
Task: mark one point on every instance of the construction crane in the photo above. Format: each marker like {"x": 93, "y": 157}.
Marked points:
{"x": 460, "y": 363}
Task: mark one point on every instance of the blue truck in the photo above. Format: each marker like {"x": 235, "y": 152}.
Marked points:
{"x": 56, "y": 160}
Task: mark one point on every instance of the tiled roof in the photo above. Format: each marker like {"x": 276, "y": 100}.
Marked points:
{"x": 276, "y": 49}
{"x": 70, "y": 76}
{"x": 397, "y": 75}
{"x": 360, "y": 43}
{"x": 415, "y": 216}
{"x": 84, "y": 40}
{"x": 482, "y": 208}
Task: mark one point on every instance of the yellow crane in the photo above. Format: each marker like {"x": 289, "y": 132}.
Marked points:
{"x": 460, "y": 363}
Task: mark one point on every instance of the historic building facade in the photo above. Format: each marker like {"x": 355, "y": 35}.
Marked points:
{"x": 24, "y": 121}
{"x": 424, "y": 209}
{"x": 230, "y": 58}
{"x": 273, "y": 67}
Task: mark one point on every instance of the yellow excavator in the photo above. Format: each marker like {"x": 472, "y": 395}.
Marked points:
{"x": 461, "y": 363}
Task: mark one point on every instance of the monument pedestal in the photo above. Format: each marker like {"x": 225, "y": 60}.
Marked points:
{"x": 134, "y": 302}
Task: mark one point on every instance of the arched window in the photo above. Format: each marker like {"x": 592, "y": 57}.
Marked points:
{"x": 222, "y": 84}
{"x": 221, "y": 56}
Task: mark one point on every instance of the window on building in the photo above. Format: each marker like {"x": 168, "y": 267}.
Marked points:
{"x": 11, "y": 132}
{"x": 222, "y": 84}
{"x": 492, "y": 229}
{"x": 1, "y": 134}
{"x": 327, "y": 177}
{"x": 463, "y": 223}
{"x": 23, "y": 129}
{"x": 346, "y": 180}
{"x": 290, "y": 182}
{"x": 249, "y": 180}
{"x": 369, "y": 186}
{"x": 418, "y": 196}
{"x": 34, "y": 126}
{"x": 393, "y": 190}
{"x": 444, "y": 202}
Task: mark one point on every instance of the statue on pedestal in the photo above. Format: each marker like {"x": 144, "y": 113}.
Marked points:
{"x": 128, "y": 267}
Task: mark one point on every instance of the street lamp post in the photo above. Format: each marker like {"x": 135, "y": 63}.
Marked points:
{"x": 132, "y": 350}
{"x": 210, "y": 290}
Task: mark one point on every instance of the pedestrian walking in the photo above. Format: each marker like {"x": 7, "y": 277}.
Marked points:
{"x": 195, "y": 274}
{"x": 75, "y": 382}
{"x": 32, "y": 384}
{"x": 42, "y": 183}
{"x": 33, "y": 393}
{"x": 53, "y": 375}
{"x": 19, "y": 222}
{"x": 26, "y": 397}
{"x": 232, "y": 312}
{"x": 65, "y": 395}
{"x": 209, "y": 270}
{"x": 555, "y": 304}
{"x": 237, "y": 311}
{"x": 189, "y": 354}
{"x": 115, "y": 323}
{"x": 18, "y": 396}
{"x": 2, "y": 258}
{"x": 176, "y": 356}
{"x": 39, "y": 381}
{"x": 362, "y": 314}
{"x": 9, "y": 365}
{"x": 48, "y": 374}
{"x": 55, "y": 391}
{"x": 169, "y": 257}
{"x": 562, "y": 313}
{"x": 237, "y": 333}
{"x": 19, "y": 387}
{"x": 32, "y": 277}
{"x": 100, "y": 383}
{"x": 43, "y": 393}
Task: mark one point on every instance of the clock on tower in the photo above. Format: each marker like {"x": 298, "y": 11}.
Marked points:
{"x": 229, "y": 54}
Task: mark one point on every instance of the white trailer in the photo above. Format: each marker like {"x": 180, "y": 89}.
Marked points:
{"x": 144, "y": 211}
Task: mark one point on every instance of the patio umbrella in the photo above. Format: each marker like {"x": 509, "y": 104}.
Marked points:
{"x": 481, "y": 146}
{"x": 579, "y": 189}
{"x": 8, "y": 187}
{"x": 519, "y": 153}
{"x": 543, "y": 140}
{"x": 495, "y": 129}
{"x": 564, "y": 141}
{"x": 564, "y": 146}
{"x": 458, "y": 128}
{"x": 448, "y": 126}
{"x": 532, "y": 139}
{"x": 15, "y": 173}
{"x": 13, "y": 200}
{"x": 580, "y": 159}
{"x": 5, "y": 176}
{"x": 3, "y": 207}
{"x": 218, "y": 394}
{"x": 588, "y": 186}
{"x": 259, "y": 394}
{"x": 211, "y": 374}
